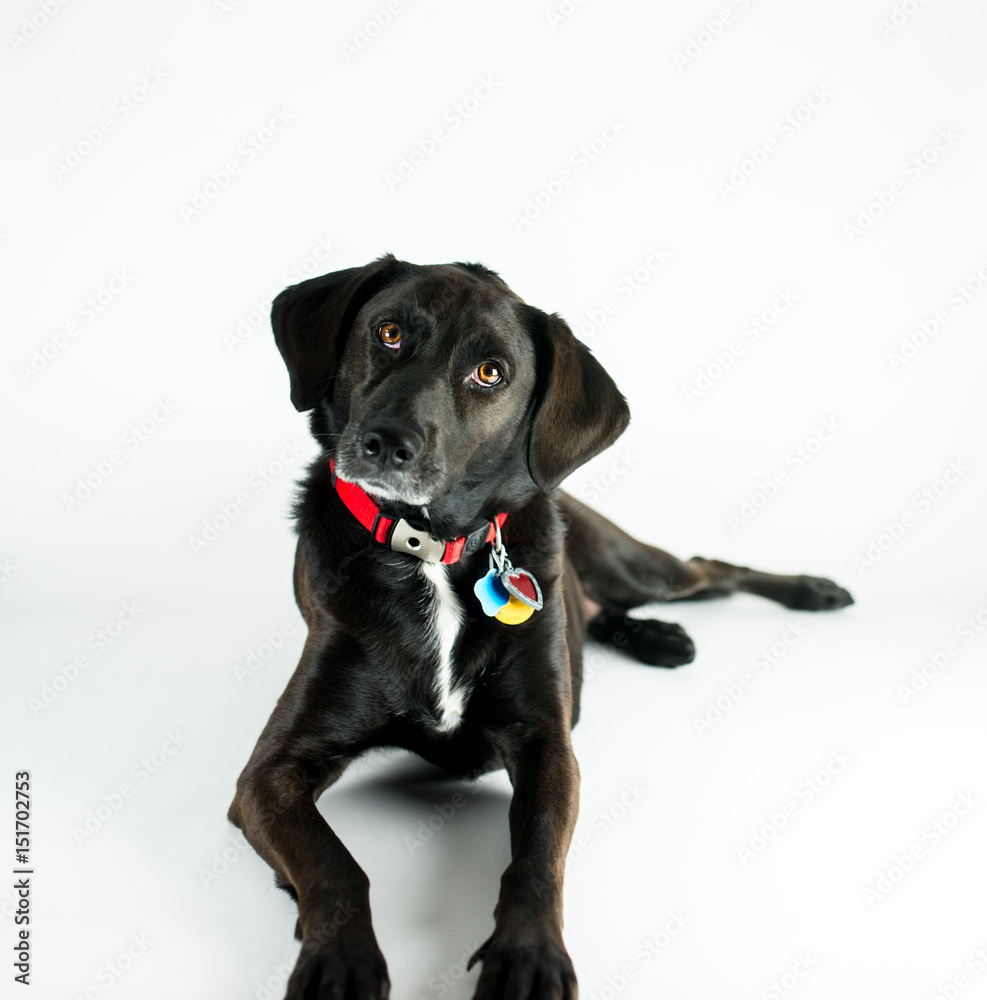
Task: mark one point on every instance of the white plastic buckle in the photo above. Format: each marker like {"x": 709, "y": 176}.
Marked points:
{"x": 415, "y": 542}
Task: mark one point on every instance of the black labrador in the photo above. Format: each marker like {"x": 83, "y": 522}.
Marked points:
{"x": 448, "y": 587}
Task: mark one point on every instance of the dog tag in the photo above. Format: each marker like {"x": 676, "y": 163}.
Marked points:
{"x": 514, "y": 612}
{"x": 492, "y": 593}
{"x": 520, "y": 584}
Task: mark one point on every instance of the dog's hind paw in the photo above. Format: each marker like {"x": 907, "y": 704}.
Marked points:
{"x": 816, "y": 593}
{"x": 658, "y": 644}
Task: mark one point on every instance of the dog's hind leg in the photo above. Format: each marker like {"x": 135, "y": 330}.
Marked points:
{"x": 618, "y": 572}
{"x": 801, "y": 592}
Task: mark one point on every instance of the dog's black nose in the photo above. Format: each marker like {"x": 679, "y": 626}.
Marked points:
{"x": 390, "y": 446}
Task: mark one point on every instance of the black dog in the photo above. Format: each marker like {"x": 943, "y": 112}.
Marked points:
{"x": 448, "y": 587}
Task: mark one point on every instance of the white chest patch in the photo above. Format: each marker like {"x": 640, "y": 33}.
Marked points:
{"x": 446, "y": 621}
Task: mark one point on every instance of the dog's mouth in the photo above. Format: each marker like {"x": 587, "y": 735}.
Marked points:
{"x": 390, "y": 492}
{"x": 393, "y": 487}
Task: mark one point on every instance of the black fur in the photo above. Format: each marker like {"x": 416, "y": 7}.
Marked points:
{"x": 412, "y": 423}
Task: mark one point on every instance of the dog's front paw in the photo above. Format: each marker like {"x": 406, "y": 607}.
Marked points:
{"x": 351, "y": 967}
{"x": 514, "y": 970}
{"x": 816, "y": 593}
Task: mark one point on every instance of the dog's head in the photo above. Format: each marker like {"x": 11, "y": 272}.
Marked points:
{"x": 439, "y": 379}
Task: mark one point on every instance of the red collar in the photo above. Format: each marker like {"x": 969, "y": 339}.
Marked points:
{"x": 400, "y": 535}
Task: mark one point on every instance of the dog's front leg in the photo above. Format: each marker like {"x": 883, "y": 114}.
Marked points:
{"x": 276, "y": 810}
{"x": 303, "y": 749}
{"x": 525, "y": 958}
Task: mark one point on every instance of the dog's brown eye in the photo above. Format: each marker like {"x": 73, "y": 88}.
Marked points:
{"x": 487, "y": 374}
{"x": 390, "y": 334}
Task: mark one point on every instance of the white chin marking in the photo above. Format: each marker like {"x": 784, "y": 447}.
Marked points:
{"x": 447, "y": 620}
{"x": 383, "y": 493}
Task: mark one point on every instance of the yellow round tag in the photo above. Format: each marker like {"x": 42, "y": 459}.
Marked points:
{"x": 514, "y": 612}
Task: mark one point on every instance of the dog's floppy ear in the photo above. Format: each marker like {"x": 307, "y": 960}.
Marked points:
{"x": 578, "y": 409}
{"x": 311, "y": 320}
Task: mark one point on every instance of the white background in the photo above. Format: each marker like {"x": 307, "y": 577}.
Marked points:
{"x": 664, "y": 806}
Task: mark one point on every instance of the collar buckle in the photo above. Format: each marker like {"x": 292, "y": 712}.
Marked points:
{"x": 416, "y": 542}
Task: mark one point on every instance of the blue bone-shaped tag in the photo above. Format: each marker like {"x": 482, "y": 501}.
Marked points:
{"x": 492, "y": 593}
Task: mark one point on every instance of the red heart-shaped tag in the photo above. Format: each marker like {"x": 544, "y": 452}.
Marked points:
{"x": 523, "y": 583}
